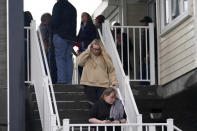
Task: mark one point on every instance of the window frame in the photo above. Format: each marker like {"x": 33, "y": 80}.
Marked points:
{"x": 173, "y": 22}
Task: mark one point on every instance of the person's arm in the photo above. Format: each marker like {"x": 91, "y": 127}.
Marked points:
{"x": 83, "y": 57}
{"x": 123, "y": 120}
{"x": 55, "y": 19}
{"x": 46, "y": 45}
{"x": 96, "y": 121}
{"x": 45, "y": 37}
{"x": 119, "y": 122}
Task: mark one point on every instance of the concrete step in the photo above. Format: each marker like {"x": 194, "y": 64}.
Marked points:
{"x": 66, "y": 96}
{"x": 80, "y": 115}
{"x": 63, "y": 88}
{"x": 146, "y": 92}
{"x": 36, "y": 125}
{"x": 67, "y": 105}
{"x": 67, "y": 88}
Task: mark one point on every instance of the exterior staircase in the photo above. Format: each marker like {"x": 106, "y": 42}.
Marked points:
{"x": 180, "y": 107}
{"x": 149, "y": 103}
{"x": 71, "y": 103}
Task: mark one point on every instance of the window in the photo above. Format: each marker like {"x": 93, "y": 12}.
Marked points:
{"x": 172, "y": 13}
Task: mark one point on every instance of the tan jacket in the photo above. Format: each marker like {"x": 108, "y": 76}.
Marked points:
{"x": 97, "y": 74}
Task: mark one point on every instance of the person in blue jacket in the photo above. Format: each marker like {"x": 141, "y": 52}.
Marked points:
{"x": 63, "y": 24}
{"x": 87, "y": 34}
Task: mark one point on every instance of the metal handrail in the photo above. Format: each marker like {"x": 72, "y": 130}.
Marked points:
{"x": 41, "y": 80}
{"x": 124, "y": 89}
{"x": 176, "y": 128}
{"x": 141, "y": 36}
{"x": 49, "y": 79}
{"x": 124, "y": 126}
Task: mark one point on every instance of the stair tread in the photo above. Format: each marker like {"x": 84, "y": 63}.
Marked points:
{"x": 68, "y": 113}
{"x": 67, "y": 88}
{"x": 67, "y": 105}
{"x": 67, "y": 96}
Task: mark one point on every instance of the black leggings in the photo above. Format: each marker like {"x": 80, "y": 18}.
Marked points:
{"x": 93, "y": 93}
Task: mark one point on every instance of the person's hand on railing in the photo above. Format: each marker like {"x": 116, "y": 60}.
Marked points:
{"x": 105, "y": 122}
{"x": 115, "y": 85}
{"x": 116, "y": 122}
{"x": 78, "y": 53}
{"x": 74, "y": 53}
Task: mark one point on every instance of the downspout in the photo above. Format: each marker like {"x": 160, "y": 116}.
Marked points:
{"x": 124, "y": 12}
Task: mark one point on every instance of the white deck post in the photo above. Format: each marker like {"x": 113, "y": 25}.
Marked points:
{"x": 53, "y": 123}
{"x": 32, "y": 40}
{"x": 170, "y": 123}
{"x": 66, "y": 125}
{"x": 139, "y": 121}
{"x": 152, "y": 53}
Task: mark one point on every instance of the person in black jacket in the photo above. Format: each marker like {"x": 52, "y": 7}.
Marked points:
{"x": 86, "y": 34}
{"x": 87, "y": 31}
{"x": 108, "y": 110}
{"x": 63, "y": 24}
{"x": 121, "y": 42}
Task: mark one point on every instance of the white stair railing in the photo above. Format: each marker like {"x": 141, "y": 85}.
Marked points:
{"x": 39, "y": 76}
{"x": 124, "y": 90}
{"x": 136, "y": 49}
{"x": 168, "y": 126}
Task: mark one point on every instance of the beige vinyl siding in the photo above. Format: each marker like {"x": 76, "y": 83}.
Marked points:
{"x": 177, "y": 51}
{"x": 135, "y": 12}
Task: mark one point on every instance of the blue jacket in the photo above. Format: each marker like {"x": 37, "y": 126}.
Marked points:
{"x": 86, "y": 35}
{"x": 64, "y": 20}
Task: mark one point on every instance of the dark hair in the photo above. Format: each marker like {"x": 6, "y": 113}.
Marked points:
{"x": 45, "y": 16}
{"x": 100, "y": 19}
{"x": 118, "y": 30}
{"x": 107, "y": 92}
{"x": 27, "y": 18}
{"x": 146, "y": 20}
{"x": 89, "y": 18}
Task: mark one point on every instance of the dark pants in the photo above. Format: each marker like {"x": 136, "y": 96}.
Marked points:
{"x": 63, "y": 57}
{"x": 93, "y": 93}
{"x": 80, "y": 70}
{"x": 52, "y": 64}
{"x": 144, "y": 72}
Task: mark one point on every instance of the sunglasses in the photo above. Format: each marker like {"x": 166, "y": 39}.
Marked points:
{"x": 96, "y": 49}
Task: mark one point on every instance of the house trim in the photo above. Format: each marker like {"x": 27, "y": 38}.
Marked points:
{"x": 174, "y": 23}
{"x": 101, "y": 8}
{"x": 158, "y": 39}
{"x": 115, "y": 12}
{"x": 8, "y": 80}
{"x": 195, "y": 28}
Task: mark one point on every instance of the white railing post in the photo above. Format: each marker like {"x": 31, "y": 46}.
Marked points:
{"x": 139, "y": 121}
{"x": 65, "y": 124}
{"x": 32, "y": 30}
{"x": 53, "y": 123}
{"x": 170, "y": 124}
{"x": 49, "y": 81}
{"x": 42, "y": 83}
{"x": 152, "y": 53}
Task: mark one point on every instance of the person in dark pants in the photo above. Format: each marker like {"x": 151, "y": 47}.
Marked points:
{"x": 63, "y": 24}
{"x": 145, "y": 55}
{"x": 98, "y": 71}
{"x": 44, "y": 29}
{"x": 121, "y": 40}
{"x": 27, "y": 21}
{"x": 108, "y": 110}
{"x": 46, "y": 33}
{"x": 86, "y": 34}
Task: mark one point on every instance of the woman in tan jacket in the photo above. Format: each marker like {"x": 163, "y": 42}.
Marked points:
{"x": 98, "y": 71}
